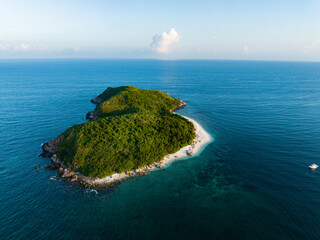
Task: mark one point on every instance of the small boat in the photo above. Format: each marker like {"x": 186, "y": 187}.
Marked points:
{"x": 313, "y": 166}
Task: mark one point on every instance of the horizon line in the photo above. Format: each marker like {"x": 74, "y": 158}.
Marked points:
{"x": 157, "y": 59}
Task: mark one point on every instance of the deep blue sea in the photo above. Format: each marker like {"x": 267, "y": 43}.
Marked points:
{"x": 251, "y": 182}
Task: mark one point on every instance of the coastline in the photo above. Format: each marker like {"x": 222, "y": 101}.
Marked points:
{"x": 201, "y": 140}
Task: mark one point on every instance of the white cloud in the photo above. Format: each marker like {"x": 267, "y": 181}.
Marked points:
{"x": 312, "y": 48}
{"x": 314, "y": 44}
{"x": 246, "y": 50}
{"x": 2, "y": 47}
{"x": 23, "y": 47}
{"x": 160, "y": 43}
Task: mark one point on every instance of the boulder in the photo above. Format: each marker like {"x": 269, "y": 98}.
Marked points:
{"x": 138, "y": 170}
{"x": 67, "y": 174}
{"x": 57, "y": 162}
{"x": 73, "y": 179}
{"x": 63, "y": 165}
{"x": 60, "y": 171}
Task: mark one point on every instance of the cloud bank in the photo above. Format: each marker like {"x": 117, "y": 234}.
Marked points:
{"x": 161, "y": 43}
{"x": 23, "y": 47}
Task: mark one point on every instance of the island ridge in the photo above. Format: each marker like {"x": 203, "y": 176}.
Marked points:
{"x": 131, "y": 131}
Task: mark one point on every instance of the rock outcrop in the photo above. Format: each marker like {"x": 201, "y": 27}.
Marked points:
{"x": 97, "y": 100}
{"x": 50, "y": 148}
{"x": 180, "y": 105}
{"x": 56, "y": 161}
{"x": 92, "y": 115}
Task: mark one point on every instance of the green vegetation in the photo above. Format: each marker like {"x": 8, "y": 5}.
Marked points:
{"x": 135, "y": 127}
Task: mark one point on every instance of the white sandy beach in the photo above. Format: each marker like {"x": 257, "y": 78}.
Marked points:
{"x": 201, "y": 140}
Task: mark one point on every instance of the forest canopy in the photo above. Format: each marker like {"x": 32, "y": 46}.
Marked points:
{"x": 134, "y": 128}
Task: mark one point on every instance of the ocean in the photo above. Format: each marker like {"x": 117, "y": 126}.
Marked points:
{"x": 251, "y": 182}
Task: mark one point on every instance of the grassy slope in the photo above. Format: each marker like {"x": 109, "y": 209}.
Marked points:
{"x": 135, "y": 128}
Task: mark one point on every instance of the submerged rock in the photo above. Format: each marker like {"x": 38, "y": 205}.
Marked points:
{"x": 50, "y": 167}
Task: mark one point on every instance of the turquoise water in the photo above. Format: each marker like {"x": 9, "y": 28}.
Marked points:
{"x": 252, "y": 182}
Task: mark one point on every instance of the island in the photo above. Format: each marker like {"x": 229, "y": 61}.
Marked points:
{"x": 131, "y": 132}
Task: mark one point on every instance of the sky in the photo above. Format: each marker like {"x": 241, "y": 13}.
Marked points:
{"x": 286, "y": 30}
